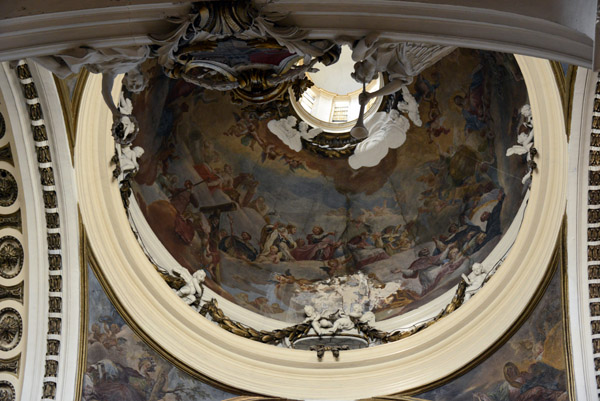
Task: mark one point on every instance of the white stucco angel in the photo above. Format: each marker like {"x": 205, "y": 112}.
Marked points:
{"x": 474, "y": 280}
{"x": 192, "y": 290}
{"x": 402, "y": 61}
{"x": 285, "y": 129}
{"x": 410, "y": 106}
{"x": 524, "y": 140}
{"x": 524, "y": 144}
{"x": 319, "y": 324}
{"x": 128, "y": 159}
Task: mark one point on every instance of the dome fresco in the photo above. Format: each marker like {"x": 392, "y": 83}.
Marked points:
{"x": 276, "y": 230}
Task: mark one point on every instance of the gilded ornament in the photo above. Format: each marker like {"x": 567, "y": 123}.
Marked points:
{"x": 7, "y": 391}
{"x": 6, "y": 153}
{"x": 11, "y": 256}
{"x": 51, "y": 368}
{"x": 54, "y": 241}
{"x": 49, "y": 199}
{"x": 11, "y": 329}
{"x": 12, "y": 292}
{"x": 47, "y": 175}
{"x": 55, "y": 262}
{"x": 43, "y": 154}
{"x": 53, "y": 347}
{"x": 55, "y": 283}
{"x": 35, "y": 112}
{"x": 10, "y": 365}
{"x": 39, "y": 133}
{"x": 55, "y": 305}
{"x": 11, "y": 220}
{"x": 54, "y": 325}
{"x": 49, "y": 390}
{"x": 8, "y": 188}
{"x": 52, "y": 220}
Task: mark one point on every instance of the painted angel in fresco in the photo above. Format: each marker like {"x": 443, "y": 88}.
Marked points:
{"x": 540, "y": 382}
{"x": 110, "y": 381}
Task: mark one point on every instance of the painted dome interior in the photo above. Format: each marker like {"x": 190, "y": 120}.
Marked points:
{"x": 276, "y": 229}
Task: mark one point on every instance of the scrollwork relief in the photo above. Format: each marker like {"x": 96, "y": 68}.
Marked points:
{"x": 11, "y": 256}
{"x": 7, "y": 391}
{"x": 11, "y": 329}
{"x": 9, "y": 189}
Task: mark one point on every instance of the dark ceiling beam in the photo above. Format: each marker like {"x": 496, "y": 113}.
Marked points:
{"x": 562, "y": 30}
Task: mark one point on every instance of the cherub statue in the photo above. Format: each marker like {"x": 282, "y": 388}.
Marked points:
{"x": 524, "y": 144}
{"x": 193, "y": 289}
{"x": 321, "y": 326}
{"x": 286, "y": 131}
{"x": 474, "y": 280}
{"x": 128, "y": 159}
{"x": 368, "y": 318}
{"x": 342, "y": 323}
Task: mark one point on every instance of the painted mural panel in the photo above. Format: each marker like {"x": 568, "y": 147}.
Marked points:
{"x": 120, "y": 366}
{"x": 531, "y": 366}
{"x": 273, "y": 227}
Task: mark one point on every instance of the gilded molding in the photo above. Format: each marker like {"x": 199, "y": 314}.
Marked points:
{"x": 47, "y": 181}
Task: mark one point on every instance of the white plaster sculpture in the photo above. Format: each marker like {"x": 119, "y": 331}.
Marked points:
{"x": 192, "y": 290}
{"x": 386, "y": 131}
{"x": 342, "y": 323}
{"x": 401, "y": 61}
{"x": 368, "y": 318}
{"x": 128, "y": 159}
{"x": 524, "y": 140}
{"x": 285, "y": 129}
{"x": 474, "y": 280}
{"x": 319, "y": 324}
{"x": 410, "y": 106}
{"x": 329, "y": 326}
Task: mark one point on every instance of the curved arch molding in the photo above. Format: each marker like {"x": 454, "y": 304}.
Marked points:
{"x": 201, "y": 347}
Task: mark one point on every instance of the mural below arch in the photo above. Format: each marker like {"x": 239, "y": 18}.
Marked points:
{"x": 119, "y": 366}
{"x": 277, "y": 229}
{"x": 531, "y": 366}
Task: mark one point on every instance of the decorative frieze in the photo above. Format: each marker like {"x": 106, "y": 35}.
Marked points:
{"x": 47, "y": 182}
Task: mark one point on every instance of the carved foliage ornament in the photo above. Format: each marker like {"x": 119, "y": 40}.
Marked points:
{"x": 11, "y": 329}
{"x": 8, "y": 188}
{"x": 11, "y": 256}
{"x": 7, "y": 391}
{"x": 233, "y": 46}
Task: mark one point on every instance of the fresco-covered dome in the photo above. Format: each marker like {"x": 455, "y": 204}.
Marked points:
{"x": 277, "y": 229}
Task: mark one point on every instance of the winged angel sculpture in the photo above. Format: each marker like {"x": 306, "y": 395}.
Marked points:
{"x": 401, "y": 61}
